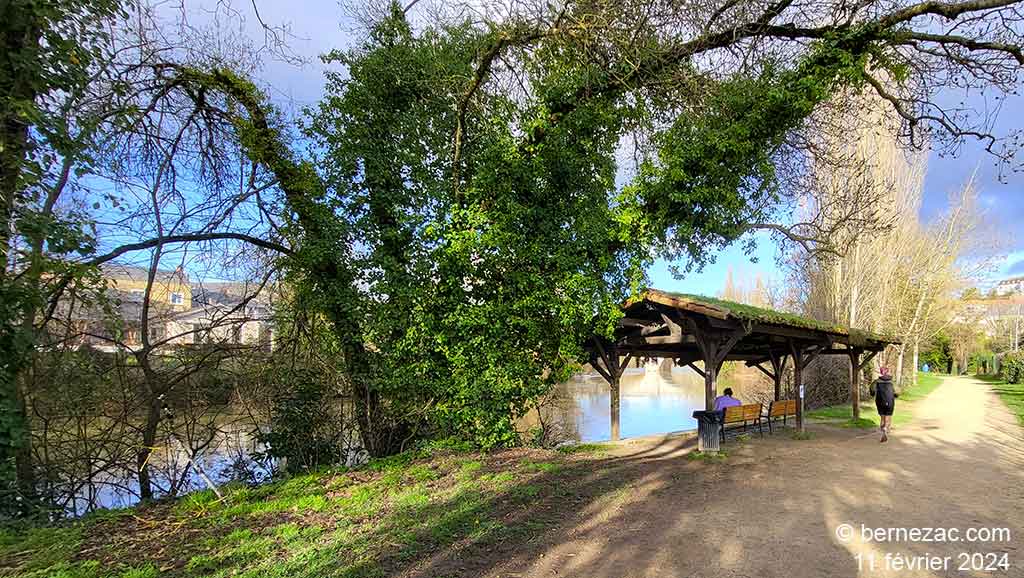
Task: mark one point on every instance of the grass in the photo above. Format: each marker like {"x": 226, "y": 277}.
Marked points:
{"x": 712, "y": 457}
{"x": 363, "y": 523}
{"x": 588, "y": 448}
{"x": 841, "y": 415}
{"x": 1012, "y": 394}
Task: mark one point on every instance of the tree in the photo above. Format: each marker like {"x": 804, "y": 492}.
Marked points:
{"x": 51, "y": 51}
{"x": 105, "y": 150}
{"x": 484, "y": 258}
{"x": 457, "y": 220}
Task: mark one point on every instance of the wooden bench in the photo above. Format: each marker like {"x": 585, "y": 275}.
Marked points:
{"x": 744, "y": 415}
{"x": 782, "y": 408}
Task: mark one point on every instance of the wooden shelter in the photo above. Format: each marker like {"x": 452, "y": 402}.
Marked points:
{"x": 691, "y": 328}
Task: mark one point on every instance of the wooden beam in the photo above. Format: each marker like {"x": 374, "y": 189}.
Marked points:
{"x": 791, "y": 332}
{"x": 633, "y": 322}
{"x": 770, "y": 375}
{"x": 624, "y": 365}
{"x": 867, "y": 359}
{"x": 814, "y": 353}
{"x": 597, "y": 367}
{"x": 835, "y": 351}
{"x": 731, "y": 342}
{"x": 685, "y": 304}
{"x": 699, "y": 371}
{"x": 778, "y": 368}
{"x": 611, "y": 361}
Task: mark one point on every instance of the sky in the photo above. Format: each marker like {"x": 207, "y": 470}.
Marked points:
{"x": 317, "y": 26}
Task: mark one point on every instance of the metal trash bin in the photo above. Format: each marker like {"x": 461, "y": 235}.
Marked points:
{"x": 708, "y": 425}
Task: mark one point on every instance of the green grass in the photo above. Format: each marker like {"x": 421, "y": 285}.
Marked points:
{"x": 1012, "y": 394}
{"x": 363, "y": 523}
{"x": 926, "y": 383}
{"x": 699, "y": 456}
{"x": 584, "y": 449}
{"x": 841, "y": 415}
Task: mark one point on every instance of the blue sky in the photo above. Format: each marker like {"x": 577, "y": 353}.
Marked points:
{"x": 320, "y": 25}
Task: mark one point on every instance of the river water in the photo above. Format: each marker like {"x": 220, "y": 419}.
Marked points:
{"x": 655, "y": 398}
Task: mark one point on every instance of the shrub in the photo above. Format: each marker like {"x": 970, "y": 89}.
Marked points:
{"x": 1013, "y": 367}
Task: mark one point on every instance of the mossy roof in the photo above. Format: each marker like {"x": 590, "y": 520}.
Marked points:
{"x": 743, "y": 312}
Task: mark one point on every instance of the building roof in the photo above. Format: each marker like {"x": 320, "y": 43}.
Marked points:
{"x": 722, "y": 309}
{"x": 692, "y": 327}
{"x": 141, "y": 274}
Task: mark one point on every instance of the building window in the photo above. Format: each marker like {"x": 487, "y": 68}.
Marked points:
{"x": 177, "y": 298}
{"x": 156, "y": 332}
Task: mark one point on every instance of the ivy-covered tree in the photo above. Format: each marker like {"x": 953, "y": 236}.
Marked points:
{"x": 477, "y": 171}
{"x": 481, "y": 196}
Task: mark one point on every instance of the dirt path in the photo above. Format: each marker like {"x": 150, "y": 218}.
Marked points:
{"x": 773, "y": 507}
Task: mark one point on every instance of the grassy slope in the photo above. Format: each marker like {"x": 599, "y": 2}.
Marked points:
{"x": 840, "y": 414}
{"x": 1012, "y": 395}
{"x": 358, "y": 523}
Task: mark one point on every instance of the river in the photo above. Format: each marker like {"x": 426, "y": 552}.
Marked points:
{"x": 655, "y": 398}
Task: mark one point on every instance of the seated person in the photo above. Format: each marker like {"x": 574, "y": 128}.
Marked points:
{"x": 726, "y": 400}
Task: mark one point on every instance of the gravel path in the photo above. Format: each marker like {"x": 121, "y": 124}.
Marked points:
{"x": 774, "y": 506}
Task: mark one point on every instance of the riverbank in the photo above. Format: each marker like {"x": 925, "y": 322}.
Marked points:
{"x": 839, "y": 415}
{"x": 636, "y": 508}
{"x": 356, "y": 523}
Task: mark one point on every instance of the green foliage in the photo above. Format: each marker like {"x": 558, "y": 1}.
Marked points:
{"x": 1012, "y": 367}
{"x": 484, "y": 264}
{"x": 307, "y": 427}
{"x": 464, "y": 243}
{"x": 52, "y": 50}
{"x": 981, "y": 362}
{"x": 938, "y": 353}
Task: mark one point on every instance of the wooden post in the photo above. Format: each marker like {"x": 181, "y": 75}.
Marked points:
{"x": 612, "y": 373}
{"x": 855, "y": 382}
{"x": 710, "y": 374}
{"x": 778, "y": 366}
{"x": 614, "y": 405}
{"x": 798, "y": 366}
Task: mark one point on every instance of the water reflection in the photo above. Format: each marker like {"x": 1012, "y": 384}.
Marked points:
{"x": 176, "y": 469}
{"x": 655, "y": 398}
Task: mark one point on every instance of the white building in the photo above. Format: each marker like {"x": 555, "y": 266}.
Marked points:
{"x": 1012, "y": 286}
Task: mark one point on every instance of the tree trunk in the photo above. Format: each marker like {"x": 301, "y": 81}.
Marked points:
{"x": 899, "y": 365}
{"x": 913, "y": 375}
{"x": 19, "y": 39}
{"x": 148, "y": 445}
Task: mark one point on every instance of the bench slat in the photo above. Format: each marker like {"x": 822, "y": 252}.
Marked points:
{"x": 741, "y": 413}
{"x": 782, "y": 408}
